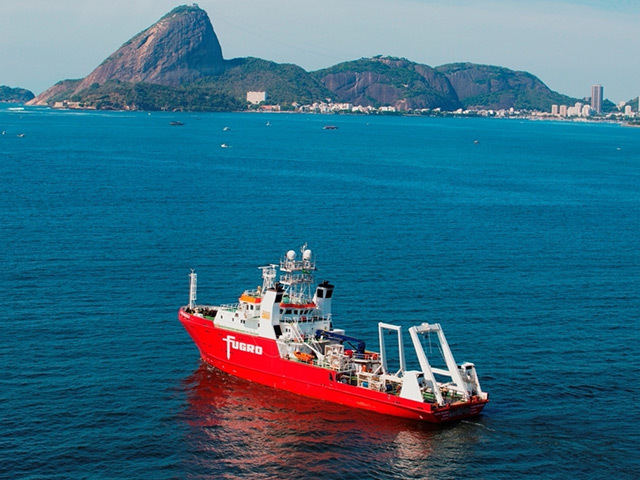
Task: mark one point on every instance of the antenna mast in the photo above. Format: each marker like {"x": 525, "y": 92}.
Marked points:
{"x": 193, "y": 288}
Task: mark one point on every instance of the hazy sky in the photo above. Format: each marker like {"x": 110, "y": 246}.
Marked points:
{"x": 569, "y": 44}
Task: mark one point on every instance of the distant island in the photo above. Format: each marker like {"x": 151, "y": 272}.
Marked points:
{"x": 15, "y": 95}
{"x": 177, "y": 65}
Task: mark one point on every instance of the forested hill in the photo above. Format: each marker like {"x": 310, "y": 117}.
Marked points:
{"x": 15, "y": 95}
{"x": 408, "y": 85}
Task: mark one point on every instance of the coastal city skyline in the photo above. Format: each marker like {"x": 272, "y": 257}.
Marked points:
{"x": 46, "y": 42}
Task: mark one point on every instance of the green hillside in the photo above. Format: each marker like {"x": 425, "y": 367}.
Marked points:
{"x": 15, "y": 95}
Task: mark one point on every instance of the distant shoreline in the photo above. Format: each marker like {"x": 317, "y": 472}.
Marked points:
{"x": 537, "y": 117}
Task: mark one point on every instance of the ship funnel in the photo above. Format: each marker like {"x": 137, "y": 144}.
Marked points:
{"x": 322, "y": 297}
{"x": 269, "y": 325}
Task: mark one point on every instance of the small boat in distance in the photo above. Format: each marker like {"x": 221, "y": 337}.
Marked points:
{"x": 330, "y": 127}
{"x": 281, "y": 334}
{"x": 176, "y": 123}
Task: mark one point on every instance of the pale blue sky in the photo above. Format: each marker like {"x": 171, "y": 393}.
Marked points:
{"x": 568, "y": 44}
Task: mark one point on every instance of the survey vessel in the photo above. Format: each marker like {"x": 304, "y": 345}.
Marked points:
{"x": 282, "y": 334}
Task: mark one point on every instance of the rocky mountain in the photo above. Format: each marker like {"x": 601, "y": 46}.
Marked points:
{"x": 382, "y": 81}
{"x": 407, "y": 85}
{"x": 177, "y": 64}
{"x": 59, "y": 92}
{"x": 487, "y": 86}
{"x": 178, "y": 49}
{"x": 14, "y": 95}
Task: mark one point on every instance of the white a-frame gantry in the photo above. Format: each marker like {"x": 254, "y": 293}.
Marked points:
{"x": 463, "y": 380}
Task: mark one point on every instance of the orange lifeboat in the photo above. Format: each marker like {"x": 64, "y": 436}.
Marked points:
{"x": 304, "y": 357}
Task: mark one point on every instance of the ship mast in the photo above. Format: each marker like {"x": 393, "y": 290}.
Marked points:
{"x": 193, "y": 288}
{"x": 297, "y": 275}
{"x": 268, "y": 276}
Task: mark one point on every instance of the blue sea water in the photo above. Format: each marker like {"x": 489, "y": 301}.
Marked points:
{"x": 523, "y": 245}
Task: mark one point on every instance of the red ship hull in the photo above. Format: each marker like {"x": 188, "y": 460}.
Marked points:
{"x": 257, "y": 359}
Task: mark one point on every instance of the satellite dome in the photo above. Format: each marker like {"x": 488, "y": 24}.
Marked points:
{"x": 306, "y": 255}
{"x": 291, "y": 255}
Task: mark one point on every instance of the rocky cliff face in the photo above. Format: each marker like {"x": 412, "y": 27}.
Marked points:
{"x": 60, "y": 91}
{"x": 407, "y": 85}
{"x": 178, "y": 49}
{"x": 389, "y": 81}
{"x": 494, "y": 87}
